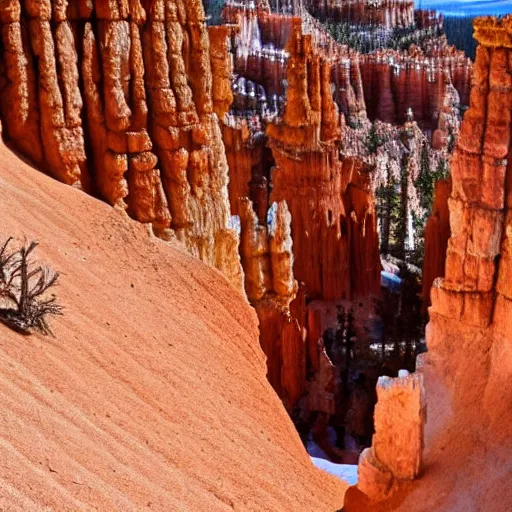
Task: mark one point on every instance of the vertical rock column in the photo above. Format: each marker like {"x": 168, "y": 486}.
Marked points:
{"x": 222, "y": 70}
{"x": 397, "y": 445}
{"x": 477, "y": 203}
{"x": 129, "y": 176}
{"x": 267, "y": 259}
{"x": 186, "y": 131}
{"x": 60, "y": 100}
{"x": 18, "y": 94}
{"x": 312, "y": 178}
{"x": 41, "y": 101}
{"x": 470, "y": 331}
{"x": 437, "y": 234}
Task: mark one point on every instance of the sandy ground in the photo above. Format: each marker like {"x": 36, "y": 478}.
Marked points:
{"x": 152, "y": 395}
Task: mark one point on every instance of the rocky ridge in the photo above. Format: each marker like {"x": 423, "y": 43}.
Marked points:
{"x": 118, "y": 100}
{"x": 299, "y": 131}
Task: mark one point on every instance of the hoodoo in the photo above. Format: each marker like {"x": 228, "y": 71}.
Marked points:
{"x": 473, "y": 303}
{"x": 468, "y": 367}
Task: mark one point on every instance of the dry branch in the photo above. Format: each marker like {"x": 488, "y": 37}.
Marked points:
{"x": 24, "y": 302}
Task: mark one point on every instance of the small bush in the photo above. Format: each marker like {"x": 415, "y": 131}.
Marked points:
{"x": 25, "y": 304}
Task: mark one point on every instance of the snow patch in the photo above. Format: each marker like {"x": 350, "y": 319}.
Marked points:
{"x": 346, "y": 472}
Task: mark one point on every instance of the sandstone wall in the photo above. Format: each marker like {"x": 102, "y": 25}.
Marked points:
{"x": 470, "y": 331}
{"x": 396, "y": 81}
{"x": 331, "y": 205}
{"x": 118, "y": 100}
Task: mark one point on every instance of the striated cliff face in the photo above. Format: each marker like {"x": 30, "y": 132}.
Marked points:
{"x": 472, "y": 305}
{"x": 118, "y": 99}
{"x": 385, "y": 13}
{"x": 331, "y": 205}
{"x": 396, "y": 81}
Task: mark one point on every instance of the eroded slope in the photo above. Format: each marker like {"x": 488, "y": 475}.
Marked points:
{"x": 152, "y": 395}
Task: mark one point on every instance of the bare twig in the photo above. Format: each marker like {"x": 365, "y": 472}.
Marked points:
{"x": 24, "y": 288}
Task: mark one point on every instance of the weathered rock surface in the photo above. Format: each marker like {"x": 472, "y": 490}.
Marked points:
{"x": 468, "y": 366}
{"x": 437, "y": 234}
{"x": 475, "y": 294}
{"x": 222, "y": 69}
{"x": 329, "y": 217}
{"x": 397, "y": 445}
{"x": 267, "y": 258}
{"x": 152, "y": 395}
{"x": 396, "y": 81}
{"x": 119, "y": 100}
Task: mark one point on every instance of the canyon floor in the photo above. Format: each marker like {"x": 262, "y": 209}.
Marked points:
{"x": 152, "y": 395}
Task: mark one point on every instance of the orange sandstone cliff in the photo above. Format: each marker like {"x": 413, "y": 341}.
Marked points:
{"x": 468, "y": 368}
{"x": 328, "y": 216}
{"x": 118, "y": 100}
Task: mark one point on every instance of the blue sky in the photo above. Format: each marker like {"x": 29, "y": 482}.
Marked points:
{"x": 468, "y": 7}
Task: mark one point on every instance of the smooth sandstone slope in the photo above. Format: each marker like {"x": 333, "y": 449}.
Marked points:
{"x": 152, "y": 395}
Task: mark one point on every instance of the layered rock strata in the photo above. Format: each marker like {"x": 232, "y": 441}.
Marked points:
{"x": 301, "y": 150}
{"x": 118, "y": 100}
{"x": 470, "y": 330}
{"x": 328, "y": 216}
{"x": 386, "y": 13}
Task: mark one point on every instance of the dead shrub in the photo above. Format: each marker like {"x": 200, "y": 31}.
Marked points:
{"x": 25, "y": 304}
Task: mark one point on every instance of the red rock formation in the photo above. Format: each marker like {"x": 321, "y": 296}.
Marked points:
{"x": 42, "y": 109}
{"x": 437, "y": 234}
{"x": 427, "y": 18}
{"x": 321, "y": 393}
{"x": 387, "y": 13}
{"x": 397, "y": 445}
{"x": 222, "y": 69}
{"x": 250, "y": 161}
{"x": 396, "y": 81}
{"x": 312, "y": 179}
{"x": 472, "y": 306}
{"x": 468, "y": 366}
{"x": 283, "y": 342}
{"x": 267, "y": 259}
{"x": 140, "y": 83}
